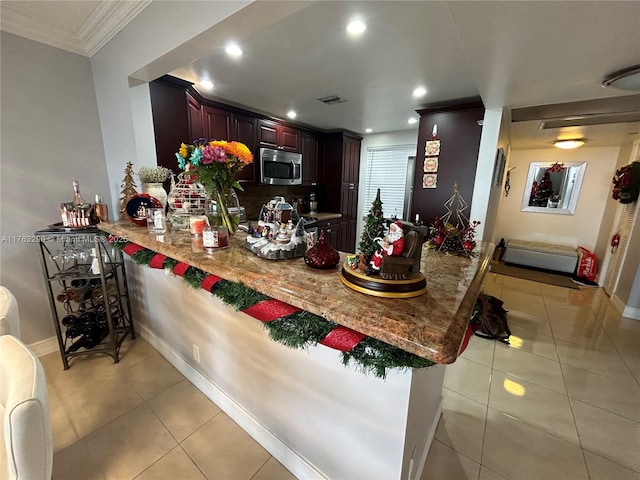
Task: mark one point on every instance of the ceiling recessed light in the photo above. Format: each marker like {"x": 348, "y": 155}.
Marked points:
{"x": 233, "y": 50}
{"x": 419, "y": 92}
{"x": 292, "y": 114}
{"x": 356, "y": 26}
{"x": 411, "y": 121}
{"x": 367, "y": 130}
{"x": 569, "y": 144}
{"x": 206, "y": 84}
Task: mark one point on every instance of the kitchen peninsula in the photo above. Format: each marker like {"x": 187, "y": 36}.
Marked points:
{"x": 319, "y": 418}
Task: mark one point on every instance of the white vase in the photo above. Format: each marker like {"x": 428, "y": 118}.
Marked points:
{"x": 156, "y": 190}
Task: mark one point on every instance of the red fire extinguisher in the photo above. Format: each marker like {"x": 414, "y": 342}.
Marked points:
{"x": 615, "y": 241}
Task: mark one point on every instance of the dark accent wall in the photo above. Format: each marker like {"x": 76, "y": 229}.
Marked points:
{"x": 459, "y": 134}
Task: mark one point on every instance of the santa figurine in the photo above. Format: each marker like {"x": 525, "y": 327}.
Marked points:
{"x": 392, "y": 245}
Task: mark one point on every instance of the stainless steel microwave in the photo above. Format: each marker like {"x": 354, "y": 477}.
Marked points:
{"x": 280, "y": 168}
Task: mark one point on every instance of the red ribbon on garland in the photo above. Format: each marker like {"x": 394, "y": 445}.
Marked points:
{"x": 342, "y": 338}
{"x": 157, "y": 261}
{"x": 270, "y": 310}
{"x": 181, "y": 268}
{"x": 209, "y": 281}
{"x": 131, "y": 249}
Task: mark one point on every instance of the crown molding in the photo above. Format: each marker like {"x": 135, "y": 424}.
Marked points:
{"x": 33, "y": 29}
{"x": 102, "y": 25}
{"x": 106, "y": 21}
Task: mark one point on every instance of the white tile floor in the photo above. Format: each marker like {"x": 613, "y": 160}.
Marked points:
{"x": 562, "y": 402}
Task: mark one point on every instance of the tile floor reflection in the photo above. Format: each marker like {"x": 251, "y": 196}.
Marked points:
{"x": 563, "y": 402}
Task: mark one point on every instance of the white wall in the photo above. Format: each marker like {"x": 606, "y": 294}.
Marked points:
{"x": 583, "y": 227}
{"x": 50, "y": 136}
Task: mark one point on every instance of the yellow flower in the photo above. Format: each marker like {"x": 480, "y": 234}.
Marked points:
{"x": 218, "y": 143}
{"x": 239, "y": 150}
{"x": 184, "y": 151}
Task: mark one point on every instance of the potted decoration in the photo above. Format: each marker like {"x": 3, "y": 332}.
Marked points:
{"x": 215, "y": 165}
{"x": 152, "y": 179}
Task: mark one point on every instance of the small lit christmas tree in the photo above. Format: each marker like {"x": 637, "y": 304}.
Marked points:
{"x": 544, "y": 190}
{"x": 128, "y": 189}
{"x": 374, "y": 227}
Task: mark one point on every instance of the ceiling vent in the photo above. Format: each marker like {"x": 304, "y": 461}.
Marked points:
{"x": 332, "y": 99}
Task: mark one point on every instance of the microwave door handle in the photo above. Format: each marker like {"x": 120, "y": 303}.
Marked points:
{"x": 296, "y": 169}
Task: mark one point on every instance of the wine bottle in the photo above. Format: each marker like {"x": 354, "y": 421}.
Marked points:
{"x": 70, "y": 319}
{"x": 77, "y": 196}
{"x": 75, "y": 346}
{"x": 93, "y": 335}
{"x": 74, "y": 330}
{"x": 78, "y": 282}
{"x": 101, "y": 209}
{"x": 87, "y": 317}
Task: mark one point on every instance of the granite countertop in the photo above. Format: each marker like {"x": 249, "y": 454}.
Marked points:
{"x": 431, "y": 326}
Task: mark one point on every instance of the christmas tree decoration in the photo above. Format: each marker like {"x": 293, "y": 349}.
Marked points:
{"x": 374, "y": 227}
{"x": 128, "y": 189}
{"x": 453, "y": 235}
{"x": 541, "y": 191}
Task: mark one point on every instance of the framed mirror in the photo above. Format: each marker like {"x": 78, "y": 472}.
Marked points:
{"x": 553, "y": 187}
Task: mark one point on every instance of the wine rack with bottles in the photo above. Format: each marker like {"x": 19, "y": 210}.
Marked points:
{"x": 87, "y": 288}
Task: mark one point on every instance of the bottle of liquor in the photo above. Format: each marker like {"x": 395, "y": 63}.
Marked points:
{"x": 101, "y": 209}
{"x": 77, "y": 196}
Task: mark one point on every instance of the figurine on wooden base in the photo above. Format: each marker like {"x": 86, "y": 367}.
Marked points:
{"x": 392, "y": 269}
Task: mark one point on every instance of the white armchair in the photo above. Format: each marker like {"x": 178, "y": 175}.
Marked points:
{"x": 9, "y": 315}
{"x": 26, "y": 447}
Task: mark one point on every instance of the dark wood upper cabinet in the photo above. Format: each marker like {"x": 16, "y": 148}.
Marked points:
{"x": 245, "y": 132}
{"x": 309, "y": 159}
{"x": 180, "y": 115}
{"x": 195, "y": 119}
{"x": 281, "y": 137}
{"x": 217, "y": 124}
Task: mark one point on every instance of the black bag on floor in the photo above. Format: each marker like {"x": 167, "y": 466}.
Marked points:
{"x": 492, "y": 319}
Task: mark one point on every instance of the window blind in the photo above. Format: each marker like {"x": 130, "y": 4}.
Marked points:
{"x": 387, "y": 170}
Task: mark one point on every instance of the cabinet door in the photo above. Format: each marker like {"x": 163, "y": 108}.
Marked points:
{"x": 217, "y": 124}
{"x": 349, "y": 202}
{"x": 267, "y": 134}
{"x": 309, "y": 159}
{"x": 195, "y": 119}
{"x": 289, "y": 138}
{"x": 351, "y": 161}
{"x": 347, "y": 237}
{"x": 245, "y": 132}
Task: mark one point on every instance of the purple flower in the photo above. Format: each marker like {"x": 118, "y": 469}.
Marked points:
{"x": 213, "y": 154}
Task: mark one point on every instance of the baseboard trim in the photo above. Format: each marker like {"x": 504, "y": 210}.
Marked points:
{"x": 631, "y": 312}
{"x": 44, "y": 347}
{"x": 617, "y": 303}
{"x": 291, "y": 460}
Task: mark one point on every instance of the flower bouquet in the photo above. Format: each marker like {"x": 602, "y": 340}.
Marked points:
{"x": 215, "y": 165}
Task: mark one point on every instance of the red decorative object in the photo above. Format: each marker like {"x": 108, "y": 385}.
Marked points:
{"x": 342, "y": 338}
{"x": 322, "y": 254}
{"x": 626, "y": 183}
{"x": 270, "y": 310}
{"x": 556, "y": 167}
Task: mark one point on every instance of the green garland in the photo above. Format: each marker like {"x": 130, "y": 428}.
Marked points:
{"x": 298, "y": 330}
